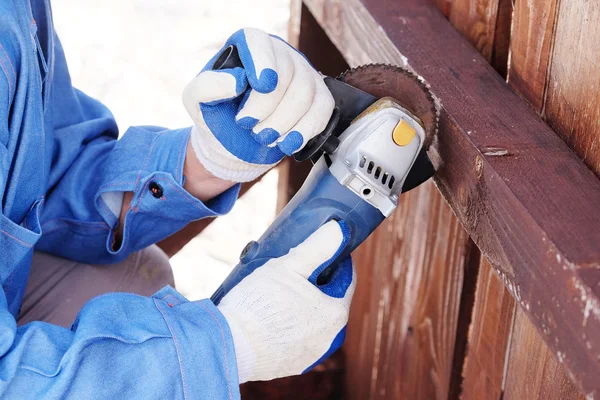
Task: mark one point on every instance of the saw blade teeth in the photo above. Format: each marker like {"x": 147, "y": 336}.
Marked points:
{"x": 420, "y": 81}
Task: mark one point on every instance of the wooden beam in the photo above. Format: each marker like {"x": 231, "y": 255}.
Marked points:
{"x": 528, "y": 202}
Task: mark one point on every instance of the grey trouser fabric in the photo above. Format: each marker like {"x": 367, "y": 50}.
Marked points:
{"x": 58, "y": 288}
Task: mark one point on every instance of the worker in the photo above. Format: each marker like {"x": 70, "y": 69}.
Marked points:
{"x": 81, "y": 211}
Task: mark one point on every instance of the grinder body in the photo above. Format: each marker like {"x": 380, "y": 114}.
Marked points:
{"x": 358, "y": 183}
{"x": 321, "y": 199}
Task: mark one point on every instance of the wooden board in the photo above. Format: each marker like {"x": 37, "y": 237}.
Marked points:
{"x": 404, "y": 316}
{"x": 476, "y": 20}
{"x": 531, "y": 46}
{"x": 527, "y": 201}
{"x": 489, "y": 338}
{"x": 502, "y": 37}
{"x": 533, "y": 371}
{"x": 573, "y": 95}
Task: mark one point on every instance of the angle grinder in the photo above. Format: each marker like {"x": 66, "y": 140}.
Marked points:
{"x": 372, "y": 150}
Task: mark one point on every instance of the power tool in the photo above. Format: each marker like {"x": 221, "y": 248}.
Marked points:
{"x": 372, "y": 150}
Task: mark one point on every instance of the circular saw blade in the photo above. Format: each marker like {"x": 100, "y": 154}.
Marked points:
{"x": 383, "y": 80}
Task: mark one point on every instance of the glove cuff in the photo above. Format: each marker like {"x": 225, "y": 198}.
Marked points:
{"x": 220, "y": 162}
{"x": 245, "y": 357}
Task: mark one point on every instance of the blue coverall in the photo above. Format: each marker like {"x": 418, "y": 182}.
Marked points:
{"x": 60, "y": 156}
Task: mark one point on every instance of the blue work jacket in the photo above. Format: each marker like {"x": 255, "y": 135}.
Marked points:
{"x": 60, "y": 161}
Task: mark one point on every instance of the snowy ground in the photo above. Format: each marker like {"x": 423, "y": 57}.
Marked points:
{"x": 136, "y": 56}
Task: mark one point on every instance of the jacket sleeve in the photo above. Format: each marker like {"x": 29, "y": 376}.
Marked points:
{"x": 122, "y": 346}
{"x": 91, "y": 170}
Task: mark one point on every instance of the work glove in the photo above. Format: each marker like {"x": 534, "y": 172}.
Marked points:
{"x": 282, "y": 322}
{"x": 247, "y": 119}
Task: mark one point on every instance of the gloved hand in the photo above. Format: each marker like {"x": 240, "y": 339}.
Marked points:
{"x": 247, "y": 119}
{"x": 283, "y": 323}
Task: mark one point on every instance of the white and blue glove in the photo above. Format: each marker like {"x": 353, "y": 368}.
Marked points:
{"x": 282, "y": 322}
{"x": 247, "y": 119}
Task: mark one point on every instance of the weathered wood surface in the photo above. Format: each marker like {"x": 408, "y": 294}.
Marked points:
{"x": 533, "y": 372}
{"x": 572, "y": 105}
{"x": 476, "y": 20}
{"x": 489, "y": 338}
{"x": 501, "y": 49}
{"x": 531, "y": 46}
{"x": 404, "y": 316}
{"x": 527, "y": 201}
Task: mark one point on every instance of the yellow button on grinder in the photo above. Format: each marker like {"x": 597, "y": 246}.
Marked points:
{"x": 403, "y": 133}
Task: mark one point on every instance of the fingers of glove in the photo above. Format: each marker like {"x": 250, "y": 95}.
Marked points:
{"x": 312, "y": 123}
{"x": 257, "y": 106}
{"x": 255, "y": 49}
{"x": 213, "y": 87}
{"x": 295, "y": 103}
{"x": 320, "y": 248}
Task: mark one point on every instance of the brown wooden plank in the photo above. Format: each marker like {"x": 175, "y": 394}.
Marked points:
{"x": 445, "y": 6}
{"x": 487, "y": 25}
{"x": 489, "y": 338}
{"x": 531, "y": 45}
{"x": 573, "y": 95}
{"x": 526, "y": 199}
{"x": 465, "y": 314}
{"x": 402, "y": 327}
{"x": 502, "y": 37}
{"x": 533, "y": 371}
{"x": 476, "y": 20}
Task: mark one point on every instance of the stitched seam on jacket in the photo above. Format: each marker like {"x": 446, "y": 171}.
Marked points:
{"x": 179, "y": 162}
{"x": 176, "y": 348}
{"x": 224, "y": 349}
{"x": 9, "y": 78}
{"x": 17, "y": 239}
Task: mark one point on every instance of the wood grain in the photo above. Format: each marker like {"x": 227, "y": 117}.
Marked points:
{"x": 573, "y": 95}
{"x": 534, "y": 372}
{"x": 445, "y": 6}
{"x": 526, "y": 199}
{"x": 402, "y": 327}
{"x": 531, "y": 46}
{"x": 476, "y": 20}
{"x": 502, "y": 37}
{"x": 489, "y": 337}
